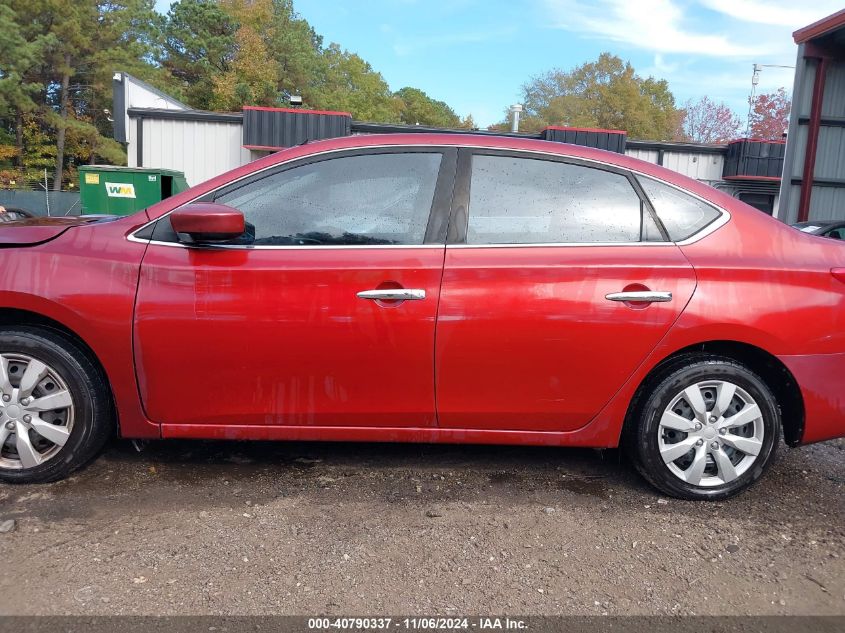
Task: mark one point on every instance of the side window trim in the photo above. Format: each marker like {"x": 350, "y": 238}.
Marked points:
{"x": 459, "y": 219}
{"x": 649, "y": 208}
{"x": 459, "y": 224}
{"x": 441, "y": 205}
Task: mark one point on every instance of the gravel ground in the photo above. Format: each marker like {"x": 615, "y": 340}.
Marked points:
{"x": 296, "y": 528}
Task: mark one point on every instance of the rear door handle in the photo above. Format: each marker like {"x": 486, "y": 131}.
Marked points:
{"x": 393, "y": 294}
{"x": 640, "y": 296}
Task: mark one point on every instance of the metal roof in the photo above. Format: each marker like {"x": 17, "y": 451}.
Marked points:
{"x": 822, "y": 27}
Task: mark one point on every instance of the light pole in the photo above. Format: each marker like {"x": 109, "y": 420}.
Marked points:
{"x": 755, "y": 79}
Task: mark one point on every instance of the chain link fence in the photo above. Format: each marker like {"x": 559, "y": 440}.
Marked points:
{"x": 36, "y": 195}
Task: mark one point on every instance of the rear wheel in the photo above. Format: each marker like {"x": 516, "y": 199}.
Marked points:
{"x": 707, "y": 428}
{"x": 55, "y": 412}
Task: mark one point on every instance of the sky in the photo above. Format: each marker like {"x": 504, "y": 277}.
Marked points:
{"x": 476, "y": 54}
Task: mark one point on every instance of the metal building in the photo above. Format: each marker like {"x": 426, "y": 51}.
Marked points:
{"x": 813, "y": 184}
{"x": 164, "y": 133}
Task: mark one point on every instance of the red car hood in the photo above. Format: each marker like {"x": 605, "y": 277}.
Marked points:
{"x": 39, "y": 230}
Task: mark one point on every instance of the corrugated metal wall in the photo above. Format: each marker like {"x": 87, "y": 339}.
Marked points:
{"x": 793, "y": 167}
{"x": 611, "y": 140}
{"x": 704, "y": 166}
{"x": 200, "y": 149}
{"x": 648, "y": 155}
{"x": 827, "y": 201}
{"x": 277, "y": 128}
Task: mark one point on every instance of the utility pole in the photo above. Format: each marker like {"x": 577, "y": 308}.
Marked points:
{"x": 755, "y": 79}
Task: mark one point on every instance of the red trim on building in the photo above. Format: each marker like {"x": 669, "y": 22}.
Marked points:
{"x": 825, "y": 25}
{"x": 298, "y": 111}
{"x": 584, "y": 129}
{"x": 766, "y": 178}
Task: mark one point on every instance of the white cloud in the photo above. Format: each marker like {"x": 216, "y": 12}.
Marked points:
{"x": 654, "y": 25}
{"x": 407, "y": 45}
{"x": 787, "y": 13}
{"x": 662, "y": 66}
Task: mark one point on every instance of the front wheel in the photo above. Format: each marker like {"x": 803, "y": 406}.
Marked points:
{"x": 55, "y": 411}
{"x": 707, "y": 428}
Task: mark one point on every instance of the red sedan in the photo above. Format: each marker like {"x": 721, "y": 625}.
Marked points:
{"x": 428, "y": 288}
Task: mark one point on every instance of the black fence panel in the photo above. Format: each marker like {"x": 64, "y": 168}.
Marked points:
{"x": 611, "y": 140}
{"x": 754, "y": 159}
{"x": 277, "y": 128}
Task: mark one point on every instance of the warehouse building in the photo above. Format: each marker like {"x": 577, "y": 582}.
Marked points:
{"x": 813, "y": 186}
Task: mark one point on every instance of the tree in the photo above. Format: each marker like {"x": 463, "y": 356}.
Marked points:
{"x": 705, "y": 121}
{"x": 253, "y": 75}
{"x": 348, "y": 83}
{"x": 468, "y": 123}
{"x": 770, "y": 115}
{"x": 199, "y": 43}
{"x": 297, "y": 48}
{"x": 276, "y": 54}
{"x": 59, "y": 80}
{"x": 420, "y": 109}
{"x": 20, "y": 53}
{"x": 606, "y": 93}
{"x": 57, "y": 60}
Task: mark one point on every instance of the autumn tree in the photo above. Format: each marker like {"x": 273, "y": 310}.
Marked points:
{"x": 705, "y": 121}
{"x": 276, "y": 54}
{"x": 253, "y": 75}
{"x": 468, "y": 123}
{"x": 770, "y": 115}
{"x": 606, "y": 93}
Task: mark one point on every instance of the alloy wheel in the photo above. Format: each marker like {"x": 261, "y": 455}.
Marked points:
{"x": 711, "y": 433}
{"x": 36, "y": 412}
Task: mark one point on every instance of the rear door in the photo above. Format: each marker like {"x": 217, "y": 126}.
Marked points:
{"x": 298, "y": 323}
{"x": 532, "y": 333}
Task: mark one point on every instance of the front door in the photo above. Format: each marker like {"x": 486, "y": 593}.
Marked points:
{"x": 531, "y": 332}
{"x": 298, "y": 322}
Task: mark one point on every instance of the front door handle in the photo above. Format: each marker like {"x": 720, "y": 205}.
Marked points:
{"x": 393, "y": 294}
{"x": 640, "y": 296}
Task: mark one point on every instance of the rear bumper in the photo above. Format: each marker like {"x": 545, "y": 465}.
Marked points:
{"x": 821, "y": 378}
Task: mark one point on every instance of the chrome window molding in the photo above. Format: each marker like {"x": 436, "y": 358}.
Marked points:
{"x": 560, "y": 244}
{"x": 719, "y": 222}
{"x": 304, "y": 247}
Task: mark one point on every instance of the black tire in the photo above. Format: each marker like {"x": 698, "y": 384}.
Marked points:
{"x": 94, "y": 420}
{"x": 657, "y": 393}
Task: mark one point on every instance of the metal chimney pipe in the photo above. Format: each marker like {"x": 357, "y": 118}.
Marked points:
{"x": 515, "y": 109}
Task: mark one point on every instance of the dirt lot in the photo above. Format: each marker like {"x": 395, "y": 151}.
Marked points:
{"x": 237, "y": 528}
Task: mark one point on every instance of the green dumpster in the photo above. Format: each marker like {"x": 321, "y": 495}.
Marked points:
{"x": 124, "y": 190}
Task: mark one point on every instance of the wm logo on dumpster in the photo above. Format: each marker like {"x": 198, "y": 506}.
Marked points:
{"x": 120, "y": 190}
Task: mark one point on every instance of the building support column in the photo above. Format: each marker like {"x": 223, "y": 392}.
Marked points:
{"x": 812, "y": 140}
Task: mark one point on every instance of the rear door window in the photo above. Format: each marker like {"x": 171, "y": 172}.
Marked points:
{"x": 518, "y": 200}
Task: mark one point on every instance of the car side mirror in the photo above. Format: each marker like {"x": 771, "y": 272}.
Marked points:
{"x": 207, "y": 222}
